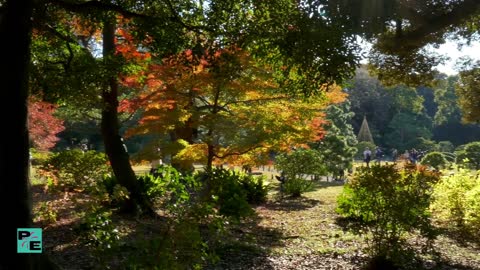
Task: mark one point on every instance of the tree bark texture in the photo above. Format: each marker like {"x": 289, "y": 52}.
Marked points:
{"x": 110, "y": 128}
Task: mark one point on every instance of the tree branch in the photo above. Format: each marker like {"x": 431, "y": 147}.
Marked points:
{"x": 435, "y": 25}
{"x": 237, "y": 153}
{"x": 213, "y": 107}
{"x": 256, "y": 100}
{"x": 86, "y": 7}
{"x": 57, "y": 34}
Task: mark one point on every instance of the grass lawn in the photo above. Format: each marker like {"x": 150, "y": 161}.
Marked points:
{"x": 284, "y": 233}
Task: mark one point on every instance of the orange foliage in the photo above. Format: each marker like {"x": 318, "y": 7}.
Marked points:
{"x": 180, "y": 96}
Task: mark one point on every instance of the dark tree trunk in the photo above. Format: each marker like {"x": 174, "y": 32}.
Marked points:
{"x": 114, "y": 145}
{"x": 210, "y": 157}
{"x": 15, "y": 28}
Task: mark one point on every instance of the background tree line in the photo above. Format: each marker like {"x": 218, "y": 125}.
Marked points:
{"x": 404, "y": 117}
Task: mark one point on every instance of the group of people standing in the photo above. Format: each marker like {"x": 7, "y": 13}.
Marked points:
{"x": 367, "y": 155}
{"x": 411, "y": 155}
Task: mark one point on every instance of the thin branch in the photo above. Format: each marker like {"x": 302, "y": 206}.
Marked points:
{"x": 256, "y": 100}
{"x": 70, "y": 57}
{"x": 59, "y": 35}
{"x": 202, "y": 98}
{"x": 215, "y": 108}
{"x": 237, "y": 153}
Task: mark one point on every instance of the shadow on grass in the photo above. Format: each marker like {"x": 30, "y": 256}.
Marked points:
{"x": 292, "y": 204}
{"x": 461, "y": 236}
{"x": 349, "y": 224}
{"x": 147, "y": 242}
{"x": 442, "y": 265}
{"x": 408, "y": 259}
{"x": 325, "y": 184}
{"x": 247, "y": 246}
{"x": 66, "y": 249}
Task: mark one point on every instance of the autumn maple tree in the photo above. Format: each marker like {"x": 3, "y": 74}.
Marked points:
{"x": 222, "y": 104}
{"x": 43, "y": 126}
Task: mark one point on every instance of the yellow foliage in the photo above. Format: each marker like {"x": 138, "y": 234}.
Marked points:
{"x": 191, "y": 153}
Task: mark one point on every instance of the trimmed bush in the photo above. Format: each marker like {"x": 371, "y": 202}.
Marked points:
{"x": 434, "y": 159}
{"x": 470, "y": 155}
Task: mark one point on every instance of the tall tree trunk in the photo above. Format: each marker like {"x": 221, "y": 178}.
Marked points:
{"x": 15, "y": 28}
{"x": 114, "y": 145}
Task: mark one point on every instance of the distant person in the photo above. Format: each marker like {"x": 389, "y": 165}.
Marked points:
{"x": 414, "y": 156}
{"x": 378, "y": 154}
{"x": 367, "y": 156}
{"x": 394, "y": 155}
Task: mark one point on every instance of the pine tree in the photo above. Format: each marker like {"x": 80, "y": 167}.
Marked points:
{"x": 338, "y": 145}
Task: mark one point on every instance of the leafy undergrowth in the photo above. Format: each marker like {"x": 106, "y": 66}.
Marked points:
{"x": 285, "y": 233}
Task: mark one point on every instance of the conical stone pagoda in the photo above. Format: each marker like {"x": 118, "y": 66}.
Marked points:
{"x": 364, "y": 134}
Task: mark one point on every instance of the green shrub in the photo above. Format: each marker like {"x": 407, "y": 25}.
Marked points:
{"x": 168, "y": 187}
{"x": 295, "y": 166}
{"x": 228, "y": 193}
{"x": 185, "y": 235}
{"x": 109, "y": 181}
{"x": 194, "y": 226}
{"x": 39, "y": 157}
{"x": 301, "y": 162}
{"x": 388, "y": 203}
{"x": 472, "y": 211}
{"x": 295, "y": 187}
{"x": 456, "y": 199}
{"x": 255, "y": 188}
{"x": 434, "y": 159}
{"x": 233, "y": 192}
{"x": 46, "y": 213}
{"x": 76, "y": 169}
{"x": 98, "y": 230}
